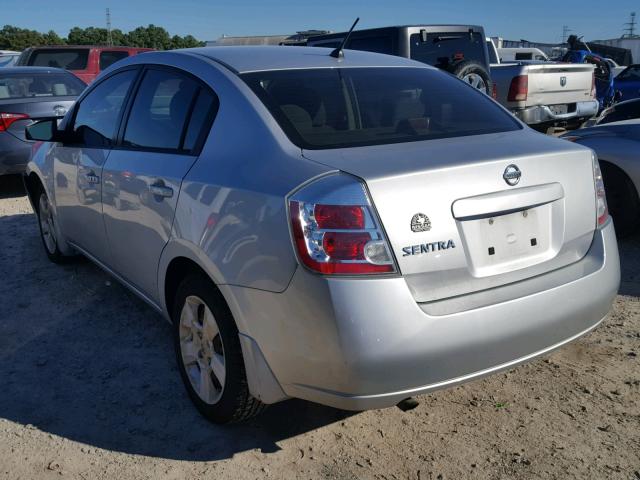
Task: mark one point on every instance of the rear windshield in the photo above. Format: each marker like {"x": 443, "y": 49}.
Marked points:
{"x": 492, "y": 53}
{"x": 442, "y": 49}
{"x": 67, "y": 58}
{"x": 350, "y": 107}
{"x": 39, "y": 85}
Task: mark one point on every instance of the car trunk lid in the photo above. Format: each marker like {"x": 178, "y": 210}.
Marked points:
{"x": 456, "y": 225}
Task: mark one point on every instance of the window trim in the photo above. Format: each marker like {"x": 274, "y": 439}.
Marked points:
{"x": 119, "y": 144}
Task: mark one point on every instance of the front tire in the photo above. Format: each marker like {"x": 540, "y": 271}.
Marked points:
{"x": 209, "y": 355}
{"x": 47, "y": 226}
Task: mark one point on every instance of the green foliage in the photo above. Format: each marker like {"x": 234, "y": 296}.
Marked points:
{"x": 15, "y": 38}
{"x": 151, "y": 36}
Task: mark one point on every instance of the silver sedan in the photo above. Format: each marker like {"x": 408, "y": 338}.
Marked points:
{"x": 618, "y": 146}
{"x": 351, "y": 230}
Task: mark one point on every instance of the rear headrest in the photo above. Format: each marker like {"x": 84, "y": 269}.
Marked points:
{"x": 60, "y": 89}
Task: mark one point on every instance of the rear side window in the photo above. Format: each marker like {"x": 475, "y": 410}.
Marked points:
{"x": 492, "y": 53}
{"x": 99, "y": 112}
{"x": 160, "y": 110}
{"x": 444, "y": 49}
{"x": 204, "y": 110}
{"x": 349, "y": 107}
{"x": 67, "y": 58}
{"x": 39, "y": 85}
{"x": 377, "y": 44}
{"x": 108, "y": 58}
{"x": 524, "y": 56}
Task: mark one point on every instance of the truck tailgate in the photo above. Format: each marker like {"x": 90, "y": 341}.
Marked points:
{"x": 553, "y": 84}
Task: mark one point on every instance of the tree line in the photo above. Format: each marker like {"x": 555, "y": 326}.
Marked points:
{"x": 151, "y": 36}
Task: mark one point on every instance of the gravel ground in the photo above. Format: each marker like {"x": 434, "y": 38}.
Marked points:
{"x": 90, "y": 391}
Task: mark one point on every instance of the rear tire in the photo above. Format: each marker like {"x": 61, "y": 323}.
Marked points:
{"x": 209, "y": 355}
{"x": 622, "y": 199}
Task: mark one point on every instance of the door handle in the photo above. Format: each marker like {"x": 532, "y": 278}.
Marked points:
{"x": 159, "y": 189}
{"x": 92, "y": 178}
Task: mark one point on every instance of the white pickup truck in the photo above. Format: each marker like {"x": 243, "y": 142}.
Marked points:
{"x": 544, "y": 94}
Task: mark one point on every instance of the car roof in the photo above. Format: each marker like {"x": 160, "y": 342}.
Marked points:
{"x": 23, "y": 70}
{"x": 242, "y": 59}
{"x": 87, "y": 47}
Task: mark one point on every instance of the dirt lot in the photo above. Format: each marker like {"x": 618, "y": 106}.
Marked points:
{"x": 90, "y": 391}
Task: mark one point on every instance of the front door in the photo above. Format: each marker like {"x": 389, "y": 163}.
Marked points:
{"x": 142, "y": 178}
{"x": 78, "y": 165}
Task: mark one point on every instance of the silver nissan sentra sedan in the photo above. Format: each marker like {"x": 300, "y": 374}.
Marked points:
{"x": 351, "y": 231}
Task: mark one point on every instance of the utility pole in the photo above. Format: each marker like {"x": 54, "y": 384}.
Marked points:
{"x": 565, "y": 33}
{"x": 630, "y": 27}
{"x": 109, "y": 39}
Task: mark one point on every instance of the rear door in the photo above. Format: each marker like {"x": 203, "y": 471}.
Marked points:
{"x": 167, "y": 123}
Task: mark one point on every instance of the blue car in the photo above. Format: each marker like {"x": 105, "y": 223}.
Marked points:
{"x": 628, "y": 82}
{"x": 605, "y": 91}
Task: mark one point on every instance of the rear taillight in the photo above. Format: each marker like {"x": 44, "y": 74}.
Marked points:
{"x": 494, "y": 92}
{"x": 335, "y": 229}
{"x": 518, "y": 89}
{"x": 6, "y": 119}
{"x": 602, "y": 212}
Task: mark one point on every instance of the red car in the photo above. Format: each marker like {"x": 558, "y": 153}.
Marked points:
{"x": 85, "y": 61}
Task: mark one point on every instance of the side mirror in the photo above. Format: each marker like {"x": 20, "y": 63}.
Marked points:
{"x": 44, "y": 131}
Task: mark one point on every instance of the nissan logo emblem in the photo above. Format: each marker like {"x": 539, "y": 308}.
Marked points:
{"x": 512, "y": 175}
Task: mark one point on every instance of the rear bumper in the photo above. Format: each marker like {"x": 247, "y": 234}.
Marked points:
{"x": 14, "y": 154}
{"x": 543, "y": 113}
{"x": 365, "y": 343}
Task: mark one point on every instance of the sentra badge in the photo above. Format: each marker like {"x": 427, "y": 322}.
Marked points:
{"x": 427, "y": 248}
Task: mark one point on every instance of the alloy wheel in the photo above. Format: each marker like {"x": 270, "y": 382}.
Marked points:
{"x": 476, "y": 81}
{"x": 202, "y": 350}
{"x": 45, "y": 217}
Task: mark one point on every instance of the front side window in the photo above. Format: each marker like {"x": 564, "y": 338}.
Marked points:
{"x": 39, "y": 85}
{"x": 443, "y": 49}
{"x": 160, "y": 110}
{"x": 99, "y": 112}
{"x": 348, "y": 107}
{"x": 67, "y": 58}
{"x": 108, "y": 58}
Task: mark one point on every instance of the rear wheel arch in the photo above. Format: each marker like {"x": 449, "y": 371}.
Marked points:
{"x": 618, "y": 181}
{"x": 177, "y": 270}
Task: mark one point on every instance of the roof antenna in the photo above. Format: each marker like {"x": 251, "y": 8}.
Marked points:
{"x": 338, "y": 53}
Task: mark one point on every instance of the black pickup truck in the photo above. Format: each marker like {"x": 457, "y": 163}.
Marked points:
{"x": 458, "y": 49}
